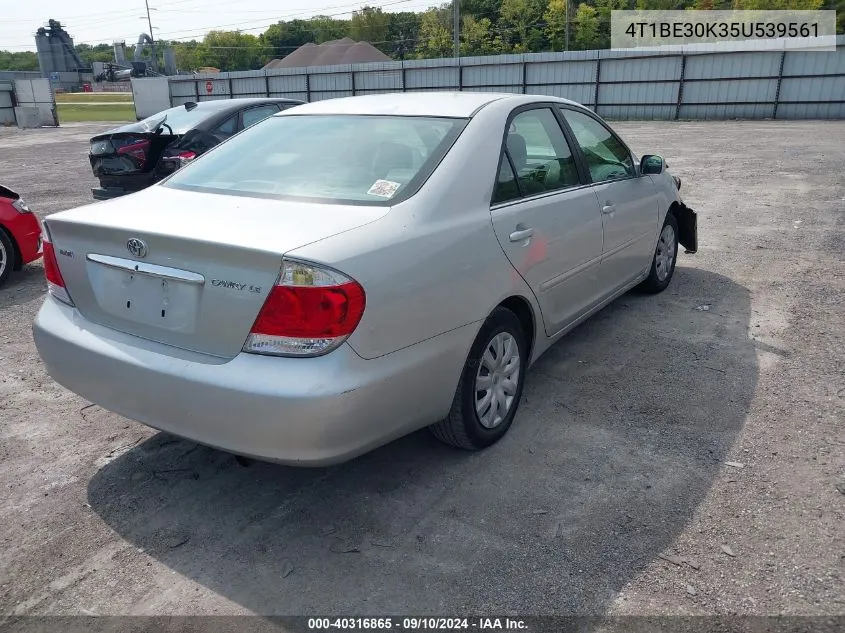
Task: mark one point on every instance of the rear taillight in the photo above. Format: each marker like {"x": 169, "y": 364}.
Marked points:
{"x": 185, "y": 157}
{"x": 310, "y": 311}
{"x": 21, "y": 207}
{"x": 137, "y": 150}
{"x": 55, "y": 283}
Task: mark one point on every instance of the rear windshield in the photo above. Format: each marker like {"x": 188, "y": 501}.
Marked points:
{"x": 343, "y": 159}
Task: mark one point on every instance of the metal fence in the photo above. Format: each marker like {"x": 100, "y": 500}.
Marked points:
{"x": 7, "y": 102}
{"x": 37, "y": 94}
{"x": 664, "y": 84}
{"x": 27, "y": 102}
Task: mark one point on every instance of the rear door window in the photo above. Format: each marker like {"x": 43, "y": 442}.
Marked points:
{"x": 506, "y": 187}
{"x": 227, "y": 128}
{"x": 259, "y": 113}
{"x": 540, "y": 153}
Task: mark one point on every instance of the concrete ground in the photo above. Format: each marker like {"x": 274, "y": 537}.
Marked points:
{"x": 677, "y": 454}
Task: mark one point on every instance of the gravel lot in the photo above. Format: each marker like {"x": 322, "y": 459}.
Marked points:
{"x": 677, "y": 454}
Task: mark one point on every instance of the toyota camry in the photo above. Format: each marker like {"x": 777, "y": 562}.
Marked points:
{"x": 350, "y": 270}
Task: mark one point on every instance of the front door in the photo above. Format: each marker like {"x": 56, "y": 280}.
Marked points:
{"x": 628, "y": 202}
{"x": 547, "y": 218}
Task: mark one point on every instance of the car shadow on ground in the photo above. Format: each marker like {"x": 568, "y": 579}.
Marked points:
{"x": 624, "y": 426}
{"x": 23, "y": 286}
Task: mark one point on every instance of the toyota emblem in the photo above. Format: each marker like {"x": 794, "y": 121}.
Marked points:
{"x": 137, "y": 247}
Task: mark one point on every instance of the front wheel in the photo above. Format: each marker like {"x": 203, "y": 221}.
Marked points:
{"x": 665, "y": 255}
{"x": 490, "y": 387}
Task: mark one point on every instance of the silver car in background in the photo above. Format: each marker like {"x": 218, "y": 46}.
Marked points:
{"x": 351, "y": 270}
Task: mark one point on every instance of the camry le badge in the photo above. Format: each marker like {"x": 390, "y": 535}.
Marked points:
{"x": 137, "y": 247}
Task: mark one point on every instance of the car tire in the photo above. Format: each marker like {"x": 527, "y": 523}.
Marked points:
{"x": 497, "y": 358}
{"x": 8, "y": 256}
{"x": 664, "y": 258}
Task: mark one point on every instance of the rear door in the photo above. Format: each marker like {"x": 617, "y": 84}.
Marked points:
{"x": 628, "y": 202}
{"x": 546, "y": 217}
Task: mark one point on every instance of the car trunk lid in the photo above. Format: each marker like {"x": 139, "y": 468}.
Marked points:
{"x": 130, "y": 150}
{"x": 187, "y": 269}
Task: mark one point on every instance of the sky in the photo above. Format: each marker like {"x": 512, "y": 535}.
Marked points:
{"x": 95, "y": 22}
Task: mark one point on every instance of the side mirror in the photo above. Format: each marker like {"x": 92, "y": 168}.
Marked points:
{"x": 652, "y": 164}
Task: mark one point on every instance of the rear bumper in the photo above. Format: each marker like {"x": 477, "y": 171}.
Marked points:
{"x": 298, "y": 411}
{"x": 116, "y": 186}
{"x": 107, "y": 193}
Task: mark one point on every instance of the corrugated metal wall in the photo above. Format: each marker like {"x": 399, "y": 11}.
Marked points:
{"x": 643, "y": 85}
{"x": 7, "y": 102}
{"x": 19, "y": 74}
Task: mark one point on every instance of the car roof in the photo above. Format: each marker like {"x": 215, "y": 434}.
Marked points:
{"x": 212, "y": 112}
{"x": 217, "y": 105}
{"x": 444, "y": 104}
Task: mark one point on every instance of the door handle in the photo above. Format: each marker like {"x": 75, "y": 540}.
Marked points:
{"x": 608, "y": 208}
{"x": 523, "y": 234}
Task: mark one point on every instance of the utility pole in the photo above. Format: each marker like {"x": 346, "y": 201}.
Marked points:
{"x": 567, "y": 25}
{"x": 152, "y": 37}
{"x": 456, "y": 28}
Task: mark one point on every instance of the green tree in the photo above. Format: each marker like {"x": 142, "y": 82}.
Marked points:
{"x": 191, "y": 55}
{"x": 477, "y": 37}
{"x": 369, "y": 24}
{"x": 482, "y": 9}
{"x": 283, "y": 38}
{"x": 661, "y": 5}
{"x": 326, "y": 28}
{"x": 25, "y": 60}
{"x": 555, "y": 18}
{"x": 233, "y": 50}
{"x": 402, "y": 32}
{"x": 98, "y": 53}
{"x": 777, "y": 5}
{"x": 435, "y": 38}
{"x": 518, "y": 20}
{"x": 603, "y": 10}
{"x": 586, "y": 27}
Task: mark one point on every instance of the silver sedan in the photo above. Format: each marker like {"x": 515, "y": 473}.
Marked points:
{"x": 351, "y": 270}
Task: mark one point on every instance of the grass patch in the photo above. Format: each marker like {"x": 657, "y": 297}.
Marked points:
{"x": 87, "y": 97}
{"x": 78, "y": 112}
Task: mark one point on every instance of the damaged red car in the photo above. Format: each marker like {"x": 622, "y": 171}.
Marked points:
{"x": 20, "y": 234}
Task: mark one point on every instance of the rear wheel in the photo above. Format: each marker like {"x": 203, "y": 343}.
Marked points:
{"x": 7, "y": 256}
{"x": 665, "y": 255}
{"x": 490, "y": 387}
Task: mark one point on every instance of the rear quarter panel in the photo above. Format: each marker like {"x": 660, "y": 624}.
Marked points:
{"x": 24, "y": 229}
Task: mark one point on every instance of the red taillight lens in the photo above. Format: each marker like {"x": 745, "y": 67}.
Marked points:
{"x": 51, "y": 266}
{"x": 55, "y": 282}
{"x": 185, "y": 157}
{"x": 137, "y": 150}
{"x": 304, "y": 312}
{"x": 310, "y": 311}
